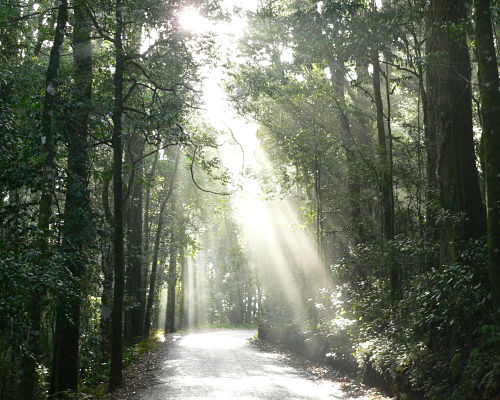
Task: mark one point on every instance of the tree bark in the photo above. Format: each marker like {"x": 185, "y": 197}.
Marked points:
{"x": 463, "y": 212}
{"x": 337, "y": 71}
{"x": 319, "y": 205}
{"x": 156, "y": 249}
{"x": 106, "y": 303}
{"x": 77, "y": 225}
{"x": 49, "y": 169}
{"x": 107, "y": 271}
{"x": 385, "y": 176}
{"x": 147, "y": 231}
{"x": 182, "y": 292}
{"x": 384, "y": 158}
{"x": 428, "y": 94}
{"x": 490, "y": 111}
{"x": 152, "y": 276}
{"x": 135, "y": 309}
{"x": 171, "y": 284}
{"x": 116, "y": 367}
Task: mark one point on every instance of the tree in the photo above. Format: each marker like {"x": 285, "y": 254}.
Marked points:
{"x": 77, "y": 229}
{"x": 48, "y": 176}
{"x": 458, "y": 179}
{"x": 490, "y": 111}
{"x": 386, "y": 186}
{"x": 135, "y": 312}
{"x": 116, "y": 366}
{"x": 165, "y": 196}
{"x": 172, "y": 283}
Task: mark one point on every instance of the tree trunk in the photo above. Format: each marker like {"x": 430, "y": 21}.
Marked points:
{"x": 156, "y": 249}
{"x": 116, "y": 368}
{"x": 490, "y": 111}
{"x": 135, "y": 309}
{"x": 384, "y": 158}
{"x": 147, "y": 232}
{"x": 182, "y": 292}
{"x": 106, "y": 303}
{"x": 77, "y": 225}
{"x": 107, "y": 271}
{"x": 385, "y": 176}
{"x": 428, "y": 94}
{"x": 319, "y": 205}
{"x": 152, "y": 276}
{"x": 460, "y": 197}
{"x": 171, "y": 283}
{"x": 337, "y": 71}
{"x": 49, "y": 167}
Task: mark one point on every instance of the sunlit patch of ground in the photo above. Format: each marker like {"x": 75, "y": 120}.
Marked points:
{"x": 209, "y": 341}
{"x": 159, "y": 336}
{"x": 317, "y": 372}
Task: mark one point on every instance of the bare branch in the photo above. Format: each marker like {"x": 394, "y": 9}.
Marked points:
{"x": 191, "y": 169}
{"x": 241, "y": 148}
{"x": 104, "y": 33}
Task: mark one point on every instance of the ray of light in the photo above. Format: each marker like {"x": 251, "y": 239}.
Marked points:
{"x": 276, "y": 244}
{"x": 162, "y": 310}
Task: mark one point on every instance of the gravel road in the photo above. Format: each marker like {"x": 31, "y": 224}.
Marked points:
{"x": 222, "y": 364}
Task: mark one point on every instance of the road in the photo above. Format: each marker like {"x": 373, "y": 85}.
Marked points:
{"x": 221, "y": 364}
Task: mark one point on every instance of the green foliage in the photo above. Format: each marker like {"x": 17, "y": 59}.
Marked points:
{"x": 133, "y": 353}
{"x": 436, "y": 342}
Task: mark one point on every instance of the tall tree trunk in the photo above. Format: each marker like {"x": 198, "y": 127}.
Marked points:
{"x": 135, "y": 297}
{"x": 147, "y": 232}
{"x": 337, "y": 72}
{"x": 319, "y": 205}
{"x": 77, "y": 224}
{"x": 195, "y": 303}
{"x": 107, "y": 271}
{"x": 152, "y": 276}
{"x": 428, "y": 94}
{"x": 106, "y": 303}
{"x": 460, "y": 197}
{"x": 171, "y": 283}
{"x": 182, "y": 292}
{"x": 156, "y": 249}
{"x": 385, "y": 176}
{"x": 490, "y": 111}
{"x": 384, "y": 158}
{"x": 49, "y": 169}
{"x": 116, "y": 368}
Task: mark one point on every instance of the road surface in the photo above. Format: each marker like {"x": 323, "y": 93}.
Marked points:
{"x": 221, "y": 364}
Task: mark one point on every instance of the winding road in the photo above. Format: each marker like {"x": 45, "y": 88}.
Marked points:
{"x": 221, "y": 364}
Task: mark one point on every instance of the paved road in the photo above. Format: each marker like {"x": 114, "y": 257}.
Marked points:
{"x": 221, "y": 364}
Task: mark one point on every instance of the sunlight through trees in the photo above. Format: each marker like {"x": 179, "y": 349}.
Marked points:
{"x": 324, "y": 172}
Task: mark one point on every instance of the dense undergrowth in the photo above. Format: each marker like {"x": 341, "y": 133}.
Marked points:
{"x": 437, "y": 341}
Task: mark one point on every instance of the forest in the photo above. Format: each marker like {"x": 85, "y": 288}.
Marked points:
{"x": 326, "y": 172}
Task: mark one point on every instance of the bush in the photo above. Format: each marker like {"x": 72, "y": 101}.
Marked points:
{"x": 437, "y": 341}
